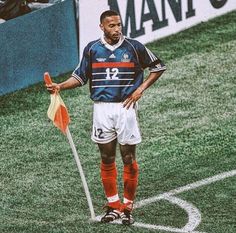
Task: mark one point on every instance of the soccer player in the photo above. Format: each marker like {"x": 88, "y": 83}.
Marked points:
{"x": 114, "y": 66}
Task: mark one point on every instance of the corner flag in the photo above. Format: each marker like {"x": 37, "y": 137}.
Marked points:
{"x": 58, "y": 113}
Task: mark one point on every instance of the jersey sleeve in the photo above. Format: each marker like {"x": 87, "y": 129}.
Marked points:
{"x": 83, "y": 71}
{"x": 149, "y": 60}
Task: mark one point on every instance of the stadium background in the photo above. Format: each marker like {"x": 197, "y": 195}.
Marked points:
{"x": 52, "y": 39}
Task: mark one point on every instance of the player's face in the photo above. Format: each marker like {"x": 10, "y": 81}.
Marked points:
{"x": 111, "y": 26}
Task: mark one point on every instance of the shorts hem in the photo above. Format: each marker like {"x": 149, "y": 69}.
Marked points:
{"x": 121, "y": 143}
{"x": 130, "y": 143}
{"x": 103, "y": 141}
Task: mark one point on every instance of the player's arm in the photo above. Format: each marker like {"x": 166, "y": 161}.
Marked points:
{"x": 137, "y": 94}
{"x": 68, "y": 84}
{"x": 77, "y": 78}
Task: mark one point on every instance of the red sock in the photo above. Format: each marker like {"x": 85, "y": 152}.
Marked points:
{"x": 130, "y": 177}
{"x": 109, "y": 177}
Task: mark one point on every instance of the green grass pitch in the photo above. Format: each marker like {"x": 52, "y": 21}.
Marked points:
{"x": 188, "y": 122}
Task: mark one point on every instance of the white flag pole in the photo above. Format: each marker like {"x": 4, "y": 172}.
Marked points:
{"x": 76, "y": 157}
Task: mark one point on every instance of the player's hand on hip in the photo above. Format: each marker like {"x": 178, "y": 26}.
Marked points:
{"x": 133, "y": 98}
{"x": 53, "y": 88}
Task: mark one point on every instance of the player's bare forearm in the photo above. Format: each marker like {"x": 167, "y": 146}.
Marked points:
{"x": 152, "y": 78}
{"x": 137, "y": 94}
{"x": 68, "y": 84}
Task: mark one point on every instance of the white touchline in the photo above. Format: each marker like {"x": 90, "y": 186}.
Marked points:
{"x": 186, "y": 188}
{"x": 193, "y": 213}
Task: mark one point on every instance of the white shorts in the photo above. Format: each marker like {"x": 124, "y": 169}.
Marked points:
{"x": 112, "y": 120}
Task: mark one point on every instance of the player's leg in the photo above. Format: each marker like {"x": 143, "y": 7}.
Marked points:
{"x": 130, "y": 178}
{"x": 105, "y": 136}
{"x": 108, "y": 151}
{"x": 109, "y": 180}
{"x": 128, "y": 136}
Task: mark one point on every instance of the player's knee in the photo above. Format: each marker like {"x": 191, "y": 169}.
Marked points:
{"x": 107, "y": 158}
{"x": 128, "y": 158}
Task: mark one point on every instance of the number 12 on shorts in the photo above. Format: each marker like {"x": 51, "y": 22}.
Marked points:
{"x": 98, "y": 133}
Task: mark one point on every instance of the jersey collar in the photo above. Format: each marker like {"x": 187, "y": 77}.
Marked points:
{"x": 114, "y": 46}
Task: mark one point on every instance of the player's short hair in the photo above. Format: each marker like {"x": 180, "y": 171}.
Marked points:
{"x": 108, "y": 13}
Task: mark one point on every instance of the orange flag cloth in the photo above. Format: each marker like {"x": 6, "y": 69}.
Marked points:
{"x": 58, "y": 113}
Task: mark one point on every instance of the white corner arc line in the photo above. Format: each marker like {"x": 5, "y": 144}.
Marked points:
{"x": 194, "y": 215}
{"x": 187, "y": 187}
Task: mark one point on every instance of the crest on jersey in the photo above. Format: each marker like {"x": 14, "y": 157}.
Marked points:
{"x": 125, "y": 57}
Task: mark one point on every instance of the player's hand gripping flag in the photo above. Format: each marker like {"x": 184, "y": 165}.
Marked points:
{"x": 57, "y": 111}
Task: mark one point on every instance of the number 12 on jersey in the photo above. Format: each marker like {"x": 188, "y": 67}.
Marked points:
{"x": 112, "y": 73}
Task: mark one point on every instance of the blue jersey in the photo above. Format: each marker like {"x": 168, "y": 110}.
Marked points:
{"x": 115, "y": 71}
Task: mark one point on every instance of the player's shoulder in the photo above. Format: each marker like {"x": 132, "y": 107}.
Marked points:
{"x": 134, "y": 42}
{"x": 93, "y": 43}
